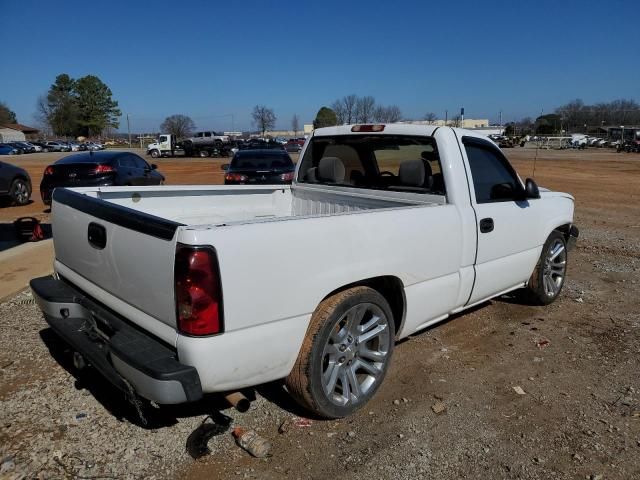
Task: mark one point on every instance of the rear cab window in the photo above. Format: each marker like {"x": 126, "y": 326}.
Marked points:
{"x": 402, "y": 163}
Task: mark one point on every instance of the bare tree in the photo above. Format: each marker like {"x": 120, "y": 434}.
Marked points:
{"x": 349, "y": 102}
{"x": 456, "y": 121}
{"x": 364, "y": 108}
{"x": 430, "y": 118}
{"x": 263, "y": 118}
{"x": 388, "y": 114}
{"x": 180, "y": 126}
{"x": 42, "y": 115}
{"x": 295, "y": 124}
{"x": 338, "y": 108}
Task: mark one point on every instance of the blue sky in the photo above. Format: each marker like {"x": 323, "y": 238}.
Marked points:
{"x": 212, "y": 60}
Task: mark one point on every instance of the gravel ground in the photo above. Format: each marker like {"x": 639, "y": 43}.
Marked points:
{"x": 502, "y": 391}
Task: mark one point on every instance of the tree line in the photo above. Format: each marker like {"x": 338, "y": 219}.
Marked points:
{"x": 78, "y": 107}
{"x": 578, "y": 117}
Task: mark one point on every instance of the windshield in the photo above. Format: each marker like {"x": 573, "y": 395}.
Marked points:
{"x": 384, "y": 162}
{"x": 261, "y": 161}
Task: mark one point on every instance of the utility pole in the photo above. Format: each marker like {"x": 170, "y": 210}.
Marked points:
{"x": 129, "y": 130}
{"x": 462, "y": 117}
{"x": 446, "y": 117}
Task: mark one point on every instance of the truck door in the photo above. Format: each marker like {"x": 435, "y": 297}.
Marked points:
{"x": 508, "y": 241}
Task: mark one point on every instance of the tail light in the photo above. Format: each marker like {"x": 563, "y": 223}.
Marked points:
{"x": 287, "y": 177}
{"x": 48, "y": 170}
{"x": 236, "y": 177}
{"x": 367, "y": 128}
{"x": 198, "y": 291}
{"x": 104, "y": 169}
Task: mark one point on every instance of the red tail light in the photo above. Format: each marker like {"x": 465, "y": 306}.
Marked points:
{"x": 48, "y": 170}
{"x": 104, "y": 169}
{"x": 367, "y": 128}
{"x": 236, "y": 177}
{"x": 287, "y": 177}
{"x": 198, "y": 291}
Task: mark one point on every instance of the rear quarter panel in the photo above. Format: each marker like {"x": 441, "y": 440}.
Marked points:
{"x": 274, "y": 275}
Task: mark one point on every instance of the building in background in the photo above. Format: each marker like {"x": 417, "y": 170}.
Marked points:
{"x": 16, "y": 132}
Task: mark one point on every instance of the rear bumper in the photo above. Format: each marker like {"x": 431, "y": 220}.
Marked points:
{"x": 123, "y": 354}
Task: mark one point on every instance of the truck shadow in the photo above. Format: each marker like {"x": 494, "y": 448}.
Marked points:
{"x": 144, "y": 415}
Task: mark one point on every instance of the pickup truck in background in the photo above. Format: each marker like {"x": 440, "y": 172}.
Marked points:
{"x": 167, "y": 145}
{"x": 178, "y": 291}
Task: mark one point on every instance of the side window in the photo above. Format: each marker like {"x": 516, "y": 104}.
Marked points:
{"x": 207, "y": 134}
{"x": 198, "y": 135}
{"x": 125, "y": 162}
{"x": 493, "y": 178}
{"x": 139, "y": 162}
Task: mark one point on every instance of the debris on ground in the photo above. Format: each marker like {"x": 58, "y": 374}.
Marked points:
{"x": 519, "y": 390}
{"x": 303, "y": 422}
{"x": 543, "y": 343}
{"x": 251, "y": 442}
{"x": 438, "y": 408}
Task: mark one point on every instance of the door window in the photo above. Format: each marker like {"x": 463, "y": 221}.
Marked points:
{"x": 494, "y": 180}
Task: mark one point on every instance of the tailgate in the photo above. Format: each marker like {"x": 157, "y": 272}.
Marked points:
{"x": 133, "y": 262}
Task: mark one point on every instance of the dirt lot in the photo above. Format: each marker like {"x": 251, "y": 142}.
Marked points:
{"x": 577, "y": 362}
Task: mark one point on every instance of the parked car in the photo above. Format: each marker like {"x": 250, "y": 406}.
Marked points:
{"x": 177, "y": 291}
{"x": 18, "y": 146}
{"x": 98, "y": 168}
{"x": 259, "y": 167}
{"x": 15, "y": 184}
{"x": 39, "y": 145}
{"x": 56, "y": 146}
{"x": 91, "y": 146}
{"x": 258, "y": 143}
{"x": 36, "y": 147}
{"x": 26, "y": 147}
{"x": 6, "y": 149}
{"x": 292, "y": 147}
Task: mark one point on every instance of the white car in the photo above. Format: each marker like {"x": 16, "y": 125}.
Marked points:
{"x": 179, "y": 291}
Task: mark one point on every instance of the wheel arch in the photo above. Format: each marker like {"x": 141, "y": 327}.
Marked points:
{"x": 391, "y": 288}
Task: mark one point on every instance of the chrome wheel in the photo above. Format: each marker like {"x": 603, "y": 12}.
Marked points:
{"x": 355, "y": 354}
{"x": 21, "y": 192}
{"x": 554, "y": 268}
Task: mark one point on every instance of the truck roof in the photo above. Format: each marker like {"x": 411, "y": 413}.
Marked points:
{"x": 395, "y": 129}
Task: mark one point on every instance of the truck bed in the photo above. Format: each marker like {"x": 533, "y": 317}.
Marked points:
{"x": 227, "y": 205}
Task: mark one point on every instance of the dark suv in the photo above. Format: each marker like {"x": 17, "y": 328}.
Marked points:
{"x": 98, "y": 169}
{"x": 259, "y": 166}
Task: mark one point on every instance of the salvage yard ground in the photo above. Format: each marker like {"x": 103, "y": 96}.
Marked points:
{"x": 522, "y": 392}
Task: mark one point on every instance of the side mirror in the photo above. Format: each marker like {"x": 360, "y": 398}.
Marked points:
{"x": 531, "y": 189}
{"x": 225, "y": 167}
{"x": 154, "y": 166}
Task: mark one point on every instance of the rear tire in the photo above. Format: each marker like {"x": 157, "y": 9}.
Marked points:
{"x": 548, "y": 277}
{"x": 20, "y": 191}
{"x": 345, "y": 354}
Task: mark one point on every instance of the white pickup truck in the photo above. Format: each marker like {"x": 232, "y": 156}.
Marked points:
{"x": 175, "y": 292}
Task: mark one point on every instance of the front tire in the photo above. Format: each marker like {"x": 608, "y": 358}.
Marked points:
{"x": 20, "y": 191}
{"x": 345, "y": 354}
{"x": 155, "y": 154}
{"x": 547, "y": 279}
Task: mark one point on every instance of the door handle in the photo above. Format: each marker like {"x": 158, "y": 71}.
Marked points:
{"x": 486, "y": 225}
